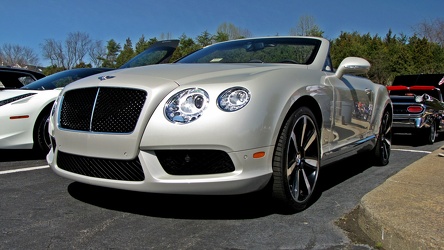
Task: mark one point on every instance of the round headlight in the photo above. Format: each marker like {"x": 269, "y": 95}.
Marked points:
{"x": 186, "y": 106}
{"x": 233, "y": 99}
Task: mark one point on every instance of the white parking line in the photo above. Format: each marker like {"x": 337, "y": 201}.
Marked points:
{"x": 411, "y": 150}
{"x": 22, "y": 170}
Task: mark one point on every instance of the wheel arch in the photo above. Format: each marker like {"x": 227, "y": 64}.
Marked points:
{"x": 309, "y": 102}
{"x": 44, "y": 111}
{"x": 303, "y": 101}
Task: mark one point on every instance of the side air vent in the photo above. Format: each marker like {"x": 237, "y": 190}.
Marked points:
{"x": 15, "y": 98}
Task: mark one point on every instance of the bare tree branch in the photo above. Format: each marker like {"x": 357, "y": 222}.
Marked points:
{"x": 17, "y": 55}
{"x": 432, "y": 30}
{"x": 53, "y": 51}
{"x": 97, "y": 53}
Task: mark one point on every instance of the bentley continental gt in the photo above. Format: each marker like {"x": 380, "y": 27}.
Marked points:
{"x": 235, "y": 117}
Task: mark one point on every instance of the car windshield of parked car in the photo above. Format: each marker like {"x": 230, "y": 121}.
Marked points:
{"x": 149, "y": 57}
{"x": 266, "y": 50}
{"x": 60, "y": 79}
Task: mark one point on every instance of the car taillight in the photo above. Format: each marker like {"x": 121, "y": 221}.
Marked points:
{"x": 415, "y": 109}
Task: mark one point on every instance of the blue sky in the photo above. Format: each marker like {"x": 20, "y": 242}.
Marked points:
{"x": 29, "y": 22}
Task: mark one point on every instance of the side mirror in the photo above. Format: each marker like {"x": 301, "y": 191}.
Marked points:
{"x": 352, "y": 65}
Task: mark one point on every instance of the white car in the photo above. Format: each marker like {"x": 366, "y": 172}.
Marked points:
{"x": 24, "y": 111}
{"x": 234, "y": 117}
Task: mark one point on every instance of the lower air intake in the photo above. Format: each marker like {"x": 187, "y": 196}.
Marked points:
{"x": 194, "y": 162}
{"x": 123, "y": 170}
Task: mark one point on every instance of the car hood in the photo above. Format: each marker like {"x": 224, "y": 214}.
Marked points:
{"x": 180, "y": 74}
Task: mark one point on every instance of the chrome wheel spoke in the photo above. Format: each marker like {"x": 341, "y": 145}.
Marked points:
{"x": 310, "y": 141}
{"x": 304, "y": 127}
{"x": 306, "y": 182}
{"x": 311, "y": 163}
{"x": 291, "y": 169}
{"x": 294, "y": 186}
{"x": 293, "y": 142}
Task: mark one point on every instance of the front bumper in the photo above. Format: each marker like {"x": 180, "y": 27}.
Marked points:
{"x": 249, "y": 174}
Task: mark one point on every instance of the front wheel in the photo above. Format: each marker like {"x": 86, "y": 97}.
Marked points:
{"x": 42, "y": 140}
{"x": 296, "y": 160}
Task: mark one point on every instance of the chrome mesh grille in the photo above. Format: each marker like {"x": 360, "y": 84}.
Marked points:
{"x": 124, "y": 170}
{"x": 111, "y": 110}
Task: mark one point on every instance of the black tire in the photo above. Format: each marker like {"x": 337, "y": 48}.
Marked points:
{"x": 296, "y": 161}
{"x": 381, "y": 153}
{"x": 430, "y": 133}
{"x": 42, "y": 141}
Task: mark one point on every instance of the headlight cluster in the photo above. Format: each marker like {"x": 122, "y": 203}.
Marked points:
{"x": 233, "y": 99}
{"x": 188, "y": 105}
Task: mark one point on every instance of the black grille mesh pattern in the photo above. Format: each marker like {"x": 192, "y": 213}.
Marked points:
{"x": 77, "y": 107}
{"x": 194, "y": 162}
{"x": 124, "y": 170}
{"x": 112, "y": 110}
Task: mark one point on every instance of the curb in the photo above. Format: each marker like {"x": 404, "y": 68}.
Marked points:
{"x": 407, "y": 210}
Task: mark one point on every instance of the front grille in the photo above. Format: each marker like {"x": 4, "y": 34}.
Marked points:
{"x": 194, "y": 162}
{"x": 124, "y": 170}
{"x": 111, "y": 110}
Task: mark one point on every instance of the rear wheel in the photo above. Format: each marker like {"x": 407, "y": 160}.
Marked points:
{"x": 296, "y": 160}
{"x": 430, "y": 133}
{"x": 381, "y": 153}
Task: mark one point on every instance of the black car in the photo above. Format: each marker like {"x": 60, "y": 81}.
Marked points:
{"x": 14, "y": 78}
{"x": 418, "y": 105}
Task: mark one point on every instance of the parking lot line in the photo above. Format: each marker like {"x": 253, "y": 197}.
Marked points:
{"x": 22, "y": 170}
{"x": 410, "y": 150}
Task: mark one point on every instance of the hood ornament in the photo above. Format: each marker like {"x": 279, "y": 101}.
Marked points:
{"x": 102, "y": 78}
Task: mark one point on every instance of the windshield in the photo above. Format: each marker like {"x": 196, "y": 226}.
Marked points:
{"x": 63, "y": 78}
{"x": 262, "y": 50}
{"x": 148, "y": 57}
{"x": 160, "y": 52}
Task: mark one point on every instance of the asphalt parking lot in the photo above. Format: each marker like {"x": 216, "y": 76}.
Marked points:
{"x": 42, "y": 210}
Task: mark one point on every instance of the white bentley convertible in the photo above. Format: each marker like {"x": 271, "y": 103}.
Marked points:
{"x": 232, "y": 118}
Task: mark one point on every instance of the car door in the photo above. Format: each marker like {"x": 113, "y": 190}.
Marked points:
{"x": 352, "y": 109}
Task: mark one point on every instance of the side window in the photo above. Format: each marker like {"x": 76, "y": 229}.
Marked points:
{"x": 328, "y": 66}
